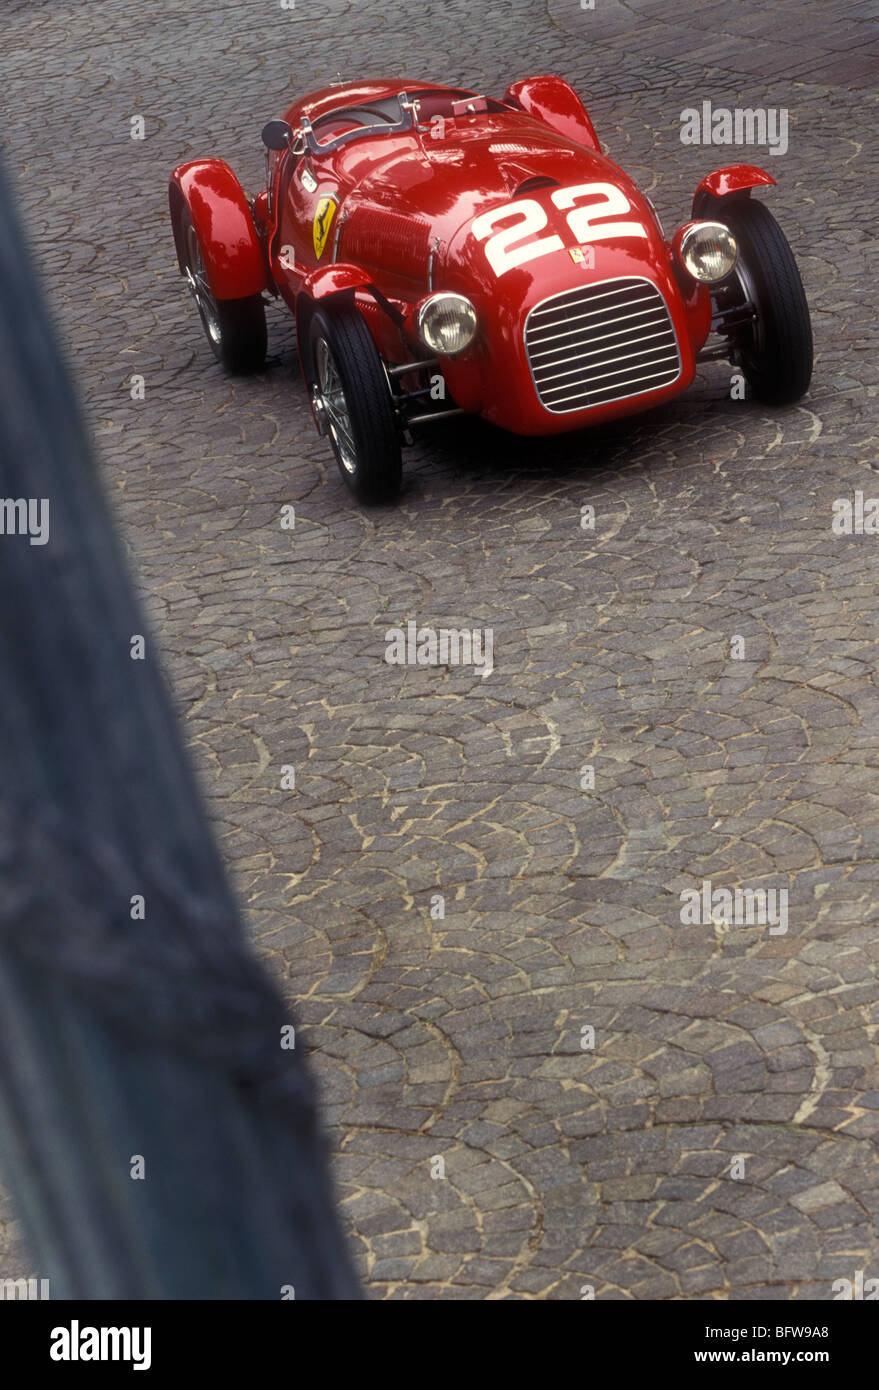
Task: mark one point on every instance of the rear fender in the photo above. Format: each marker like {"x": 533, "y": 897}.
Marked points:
{"x": 553, "y": 101}
{"x": 235, "y": 266}
{"x": 723, "y": 183}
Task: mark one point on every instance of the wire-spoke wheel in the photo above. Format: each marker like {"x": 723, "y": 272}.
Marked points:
{"x": 235, "y": 328}
{"x": 352, "y": 403}
{"x": 332, "y": 394}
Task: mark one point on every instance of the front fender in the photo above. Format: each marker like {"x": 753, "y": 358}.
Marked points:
{"x": 335, "y": 279}
{"x": 322, "y": 284}
{"x": 721, "y": 183}
{"x": 234, "y": 262}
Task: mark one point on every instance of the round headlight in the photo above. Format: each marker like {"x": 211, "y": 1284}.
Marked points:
{"x": 446, "y": 323}
{"x": 708, "y": 251}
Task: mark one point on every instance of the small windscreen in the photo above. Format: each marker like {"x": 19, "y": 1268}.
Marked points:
{"x": 448, "y": 103}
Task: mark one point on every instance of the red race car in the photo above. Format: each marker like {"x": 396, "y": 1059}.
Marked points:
{"x": 447, "y": 253}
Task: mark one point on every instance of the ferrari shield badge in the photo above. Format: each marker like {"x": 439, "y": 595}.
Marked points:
{"x": 323, "y": 220}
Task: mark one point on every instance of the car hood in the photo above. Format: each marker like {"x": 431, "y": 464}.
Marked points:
{"x": 434, "y": 189}
{"x": 607, "y": 228}
{"x": 448, "y": 174}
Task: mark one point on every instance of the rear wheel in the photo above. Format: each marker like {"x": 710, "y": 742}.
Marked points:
{"x": 234, "y": 328}
{"x": 775, "y": 350}
{"x": 352, "y": 403}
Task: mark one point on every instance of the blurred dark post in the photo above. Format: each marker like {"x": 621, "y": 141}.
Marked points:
{"x": 128, "y": 1046}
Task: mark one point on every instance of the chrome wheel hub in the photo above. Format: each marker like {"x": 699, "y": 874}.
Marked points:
{"x": 320, "y": 411}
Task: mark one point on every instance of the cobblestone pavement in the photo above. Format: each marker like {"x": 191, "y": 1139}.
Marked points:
{"x": 460, "y": 1037}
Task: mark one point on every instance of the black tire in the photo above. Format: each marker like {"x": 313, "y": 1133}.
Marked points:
{"x": 234, "y": 328}
{"x": 775, "y": 351}
{"x": 358, "y": 411}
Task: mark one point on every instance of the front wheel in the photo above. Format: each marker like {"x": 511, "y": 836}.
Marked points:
{"x": 352, "y": 403}
{"x": 234, "y": 328}
{"x": 775, "y": 350}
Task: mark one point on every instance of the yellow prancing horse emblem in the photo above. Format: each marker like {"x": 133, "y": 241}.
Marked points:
{"x": 323, "y": 220}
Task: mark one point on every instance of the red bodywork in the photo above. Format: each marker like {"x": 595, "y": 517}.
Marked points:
{"x": 509, "y": 203}
{"x": 235, "y": 264}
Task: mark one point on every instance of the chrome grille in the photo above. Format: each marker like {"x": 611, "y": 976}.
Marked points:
{"x": 602, "y": 343}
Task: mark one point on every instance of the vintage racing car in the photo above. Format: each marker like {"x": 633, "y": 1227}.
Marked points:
{"x": 446, "y": 252}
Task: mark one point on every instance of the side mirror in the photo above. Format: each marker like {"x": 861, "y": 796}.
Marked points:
{"x": 276, "y": 135}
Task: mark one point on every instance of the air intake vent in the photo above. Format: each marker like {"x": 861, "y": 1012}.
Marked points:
{"x": 531, "y": 185}
{"x": 602, "y": 343}
{"x": 375, "y": 236}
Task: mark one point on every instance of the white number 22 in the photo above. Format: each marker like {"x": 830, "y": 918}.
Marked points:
{"x": 511, "y": 247}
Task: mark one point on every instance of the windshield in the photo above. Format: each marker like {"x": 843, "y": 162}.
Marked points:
{"x": 393, "y": 115}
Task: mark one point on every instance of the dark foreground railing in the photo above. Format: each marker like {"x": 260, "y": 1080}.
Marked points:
{"x": 158, "y": 1137}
